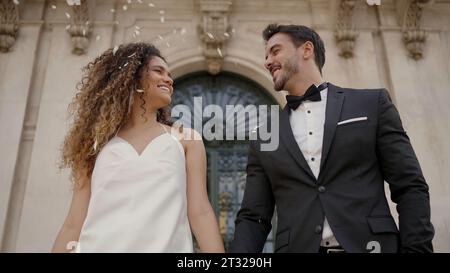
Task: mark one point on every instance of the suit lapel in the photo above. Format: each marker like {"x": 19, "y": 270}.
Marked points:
{"x": 335, "y": 99}
{"x": 288, "y": 139}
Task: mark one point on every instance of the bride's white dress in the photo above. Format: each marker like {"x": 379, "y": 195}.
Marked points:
{"x": 138, "y": 202}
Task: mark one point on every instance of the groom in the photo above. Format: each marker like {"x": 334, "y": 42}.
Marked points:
{"x": 326, "y": 178}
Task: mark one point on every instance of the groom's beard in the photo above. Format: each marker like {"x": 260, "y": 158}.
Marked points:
{"x": 289, "y": 69}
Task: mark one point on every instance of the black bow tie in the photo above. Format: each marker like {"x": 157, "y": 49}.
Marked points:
{"x": 312, "y": 94}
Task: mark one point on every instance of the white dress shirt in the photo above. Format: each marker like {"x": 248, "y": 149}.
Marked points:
{"x": 307, "y": 123}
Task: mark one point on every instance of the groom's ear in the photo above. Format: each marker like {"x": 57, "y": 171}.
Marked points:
{"x": 308, "y": 50}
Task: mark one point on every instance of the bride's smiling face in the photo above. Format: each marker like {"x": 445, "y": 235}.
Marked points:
{"x": 157, "y": 83}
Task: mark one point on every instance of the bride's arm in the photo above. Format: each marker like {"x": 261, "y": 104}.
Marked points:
{"x": 70, "y": 231}
{"x": 200, "y": 213}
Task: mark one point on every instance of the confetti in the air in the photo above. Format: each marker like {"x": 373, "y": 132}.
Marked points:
{"x": 73, "y": 2}
{"x": 373, "y": 2}
{"x": 95, "y": 145}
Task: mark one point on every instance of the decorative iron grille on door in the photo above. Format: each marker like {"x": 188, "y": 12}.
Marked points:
{"x": 227, "y": 159}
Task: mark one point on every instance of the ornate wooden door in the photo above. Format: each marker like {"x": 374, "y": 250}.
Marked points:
{"x": 226, "y": 159}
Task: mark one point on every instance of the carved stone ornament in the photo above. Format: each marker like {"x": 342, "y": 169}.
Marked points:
{"x": 9, "y": 24}
{"x": 345, "y": 33}
{"x": 214, "y": 31}
{"x": 409, "y": 14}
{"x": 80, "y": 28}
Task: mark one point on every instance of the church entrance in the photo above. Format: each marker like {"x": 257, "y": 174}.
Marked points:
{"x": 226, "y": 159}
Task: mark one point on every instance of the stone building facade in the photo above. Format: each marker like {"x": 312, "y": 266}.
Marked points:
{"x": 401, "y": 45}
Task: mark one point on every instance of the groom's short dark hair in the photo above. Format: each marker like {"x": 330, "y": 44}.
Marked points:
{"x": 299, "y": 35}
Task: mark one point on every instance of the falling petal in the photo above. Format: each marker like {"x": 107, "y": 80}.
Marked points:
{"x": 67, "y": 27}
{"x": 210, "y": 35}
{"x": 97, "y": 38}
{"x": 53, "y": 6}
{"x": 162, "y": 19}
{"x": 183, "y": 31}
{"x": 161, "y": 12}
{"x": 220, "y": 52}
{"x": 16, "y": 2}
{"x": 68, "y": 15}
{"x": 95, "y": 145}
{"x": 129, "y": 1}
{"x": 226, "y": 34}
{"x": 139, "y": 1}
{"x": 84, "y": 32}
{"x": 73, "y": 2}
{"x": 140, "y": 90}
{"x": 151, "y": 5}
{"x": 132, "y": 55}
{"x": 125, "y": 7}
{"x": 160, "y": 37}
{"x": 167, "y": 44}
{"x": 115, "y": 50}
{"x": 125, "y": 64}
{"x": 112, "y": 10}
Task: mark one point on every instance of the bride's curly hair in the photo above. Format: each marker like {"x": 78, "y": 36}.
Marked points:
{"x": 103, "y": 104}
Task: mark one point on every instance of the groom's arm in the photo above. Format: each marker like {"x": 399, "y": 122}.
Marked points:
{"x": 401, "y": 170}
{"x": 253, "y": 222}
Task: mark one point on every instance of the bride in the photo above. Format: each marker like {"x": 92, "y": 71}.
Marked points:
{"x": 139, "y": 184}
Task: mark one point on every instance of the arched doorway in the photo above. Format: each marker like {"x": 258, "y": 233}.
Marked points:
{"x": 227, "y": 159}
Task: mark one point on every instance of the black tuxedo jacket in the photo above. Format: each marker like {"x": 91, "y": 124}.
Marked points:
{"x": 357, "y": 157}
